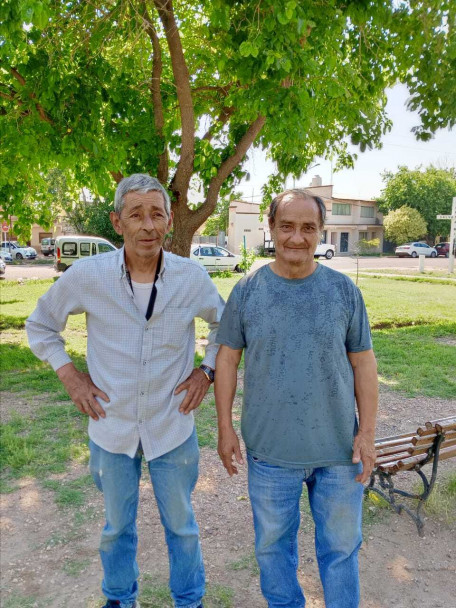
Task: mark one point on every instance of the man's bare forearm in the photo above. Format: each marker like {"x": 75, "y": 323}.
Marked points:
{"x": 366, "y": 389}
{"x": 227, "y": 363}
{"x": 229, "y": 448}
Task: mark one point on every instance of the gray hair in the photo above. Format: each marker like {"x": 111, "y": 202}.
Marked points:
{"x": 139, "y": 182}
{"x": 298, "y": 193}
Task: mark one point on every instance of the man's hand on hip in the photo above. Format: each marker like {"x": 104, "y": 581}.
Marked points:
{"x": 82, "y": 391}
{"x": 229, "y": 446}
{"x": 196, "y": 386}
{"x": 364, "y": 452}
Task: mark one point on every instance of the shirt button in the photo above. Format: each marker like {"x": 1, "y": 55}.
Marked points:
{"x": 142, "y": 393}
{"x": 147, "y": 329}
{"x": 144, "y": 362}
{"x": 140, "y": 421}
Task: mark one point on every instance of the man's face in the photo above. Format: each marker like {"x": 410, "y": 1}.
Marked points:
{"x": 143, "y": 223}
{"x": 296, "y": 230}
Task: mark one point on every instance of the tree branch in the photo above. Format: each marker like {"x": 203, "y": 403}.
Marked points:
{"x": 117, "y": 176}
{"x": 181, "y": 179}
{"x": 224, "y": 116}
{"x": 159, "y": 120}
{"x": 228, "y": 165}
{"x": 39, "y": 108}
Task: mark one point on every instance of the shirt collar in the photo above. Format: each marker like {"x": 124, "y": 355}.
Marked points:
{"x": 123, "y": 266}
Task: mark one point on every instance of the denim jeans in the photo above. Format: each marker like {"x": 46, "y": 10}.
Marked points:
{"x": 173, "y": 477}
{"x": 336, "y": 504}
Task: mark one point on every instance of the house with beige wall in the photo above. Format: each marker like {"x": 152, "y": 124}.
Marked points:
{"x": 348, "y": 221}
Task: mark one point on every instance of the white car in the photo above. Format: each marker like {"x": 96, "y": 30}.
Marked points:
{"x": 18, "y": 252}
{"x": 5, "y": 256}
{"x": 325, "y": 250}
{"x": 215, "y": 258}
{"x": 2, "y": 267}
{"x": 415, "y": 249}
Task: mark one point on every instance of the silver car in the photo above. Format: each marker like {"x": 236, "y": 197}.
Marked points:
{"x": 215, "y": 258}
{"x": 415, "y": 249}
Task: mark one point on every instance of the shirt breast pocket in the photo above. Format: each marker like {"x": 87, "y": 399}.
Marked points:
{"x": 175, "y": 323}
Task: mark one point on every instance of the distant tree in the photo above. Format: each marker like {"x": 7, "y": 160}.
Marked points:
{"x": 218, "y": 222}
{"x": 92, "y": 217}
{"x": 429, "y": 191}
{"x": 183, "y": 90}
{"x": 404, "y": 224}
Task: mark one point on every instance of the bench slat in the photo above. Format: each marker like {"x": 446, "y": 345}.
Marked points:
{"x": 388, "y": 458}
{"x": 448, "y": 452}
{"x": 382, "y": 443}
{"x": 424, "y": 448}
{"x": 393, "y": 449}
{"x": 422, "y": 440}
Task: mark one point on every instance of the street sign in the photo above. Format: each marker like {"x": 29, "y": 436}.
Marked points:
{"x": 5, "y": 227}
{"x": 444, "y": 217}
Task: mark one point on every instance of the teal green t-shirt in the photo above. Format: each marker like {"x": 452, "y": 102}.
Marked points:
{"x": 299, "y": 401}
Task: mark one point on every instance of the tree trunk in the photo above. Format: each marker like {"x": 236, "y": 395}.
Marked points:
{"x": 183, "y": 230}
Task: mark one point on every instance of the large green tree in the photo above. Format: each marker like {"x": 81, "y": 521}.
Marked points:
{"x": 429, "y": 191}
{"x": 404, "y": 224}
{"x": 183, "y": 90}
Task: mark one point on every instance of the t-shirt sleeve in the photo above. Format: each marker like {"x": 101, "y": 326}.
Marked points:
{"x": 231, "y": 330}
{"x": 358, "y": 334}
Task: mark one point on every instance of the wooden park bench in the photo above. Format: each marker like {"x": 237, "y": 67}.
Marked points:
{"x": 433, "y": 442}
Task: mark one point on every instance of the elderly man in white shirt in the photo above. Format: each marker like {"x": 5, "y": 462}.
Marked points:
{"x": 140, "y": 304}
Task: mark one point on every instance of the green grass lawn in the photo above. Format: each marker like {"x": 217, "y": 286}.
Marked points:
{"x": 413, "y": 324}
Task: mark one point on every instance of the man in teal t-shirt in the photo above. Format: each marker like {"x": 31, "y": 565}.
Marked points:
{"x": 308, "y": 365}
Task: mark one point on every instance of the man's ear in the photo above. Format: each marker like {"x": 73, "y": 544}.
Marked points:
{"x": 115, "y": 221}
{"x": 170, "y": 221}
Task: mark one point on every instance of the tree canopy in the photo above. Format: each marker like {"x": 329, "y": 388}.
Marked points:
{"x": 403, "y": 225}
{"x": 183, "y": 90}
{"x": 429, "y": 191}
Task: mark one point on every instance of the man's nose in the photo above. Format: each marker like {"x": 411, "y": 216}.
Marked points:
{"x": 148, "y": 223}
{"x": 298, "y": 237}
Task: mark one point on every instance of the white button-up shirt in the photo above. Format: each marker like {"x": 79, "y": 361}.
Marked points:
{"x": 137, "y": 363}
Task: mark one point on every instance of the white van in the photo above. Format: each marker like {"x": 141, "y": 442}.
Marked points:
{"x": 71, "y": 247}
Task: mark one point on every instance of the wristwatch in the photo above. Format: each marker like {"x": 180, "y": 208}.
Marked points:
{"x": 208, "y": 372}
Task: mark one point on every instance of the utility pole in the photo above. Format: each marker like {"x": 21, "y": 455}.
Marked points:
{"x": 451, "y": 217}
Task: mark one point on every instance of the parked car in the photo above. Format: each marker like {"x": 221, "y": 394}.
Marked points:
{"x": 47, "y": 246}
{"x": 17, "y": 251}
{"x": 215, "y": 258}
{"x": 71, "y": 247}
{"x": 6, "y": 255}
{"x": 325, "y": 249}
{"x": 415, "y": 249}
{"x": 443, "y": 249}
{"x": 2, "y": 267}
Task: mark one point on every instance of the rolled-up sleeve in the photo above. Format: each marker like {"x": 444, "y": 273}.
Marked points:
{"x": 49, "y": 319}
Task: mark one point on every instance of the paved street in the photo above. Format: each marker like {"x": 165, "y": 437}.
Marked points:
{"x": 344, "y": 264}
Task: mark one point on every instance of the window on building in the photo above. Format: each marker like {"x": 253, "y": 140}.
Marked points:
{"x": 341, "y": 209}
{"x": 367, "y": 211}
{"x": 363, "y": 236}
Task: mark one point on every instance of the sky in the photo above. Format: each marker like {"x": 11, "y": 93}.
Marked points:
{"x": 364, "y": 181}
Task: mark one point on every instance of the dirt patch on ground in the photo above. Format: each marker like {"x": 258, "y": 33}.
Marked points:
{"x": 50, "y": 552}
{"x": 447, "y": 341}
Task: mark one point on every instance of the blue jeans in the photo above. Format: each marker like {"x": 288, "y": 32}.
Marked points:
{"x": 336, "y": 504}
{"x": 173, "y": 477}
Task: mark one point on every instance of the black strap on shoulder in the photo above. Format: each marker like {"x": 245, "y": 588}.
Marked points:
{"x": 153, "y": 293}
